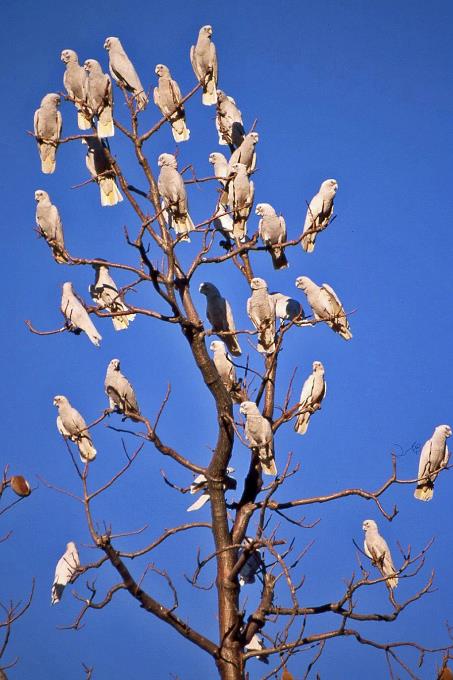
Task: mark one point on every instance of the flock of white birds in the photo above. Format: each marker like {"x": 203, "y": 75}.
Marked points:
{"x": 90, "y": 89}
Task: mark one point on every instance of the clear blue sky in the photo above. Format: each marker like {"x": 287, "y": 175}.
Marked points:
{"x": 358, "y": 90}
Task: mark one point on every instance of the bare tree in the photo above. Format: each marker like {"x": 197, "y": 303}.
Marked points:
{"x": 249, "y": 538}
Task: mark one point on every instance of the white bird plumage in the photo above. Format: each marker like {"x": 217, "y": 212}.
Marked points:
{"x": 66, "y": 568}
{"x": 377, "y": 550}
{"x": 434, "y": 456}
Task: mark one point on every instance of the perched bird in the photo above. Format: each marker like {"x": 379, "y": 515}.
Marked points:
{"x": 445, "y": 674}
{"x": 245, "y": 153}
{"x": 222, "y": 172}
{"x": 319, "y": 213}
{"x": 71, "y": 425}
{"x": 220, "y": 165}
{"x": 200, "y": 483}
{"x": 171, "y": 188}
{"x": 256, "y": 645}
{"x": 105, "y": 294}
{"x": 258, "y": 431}
{"x": 272, "y": 229}
{"x": 313, "y": 392}
{"x": 119, "y": 391}
{"x": 49, "y": 224}
{"x": 123, "y": 71}
{"x": 286, "y": 675}
{"x": 220, "y": 316}
{"x": 229, "y": 121}
{"x": 65, "y": 570}
{"x": 223, "y": 222}
{"x": 253, "y": 564}
{"x": 101, "y": 171}
{"x": 287, "y": 308}
{"x": 325, "y": 305}
{"x": 76, "y": 315}
{"x": 47, "y": 126}
{"x": 203, "y": 58}
{"x": 99, "y": 97}
{"x": 226, "y": 370}
{"x": 240, "y": 198}
{"x": 20, "y": 486}
{"x": 167, "y": 98}
{"x": 433, "y": 458}
{"x": 377, "y": 550}
{"x": 74, "y": 80}
{"x": 260, "y": 308}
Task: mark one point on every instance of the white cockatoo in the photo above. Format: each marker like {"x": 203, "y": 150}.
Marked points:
{"x": 66, "y": 567}
{"x": 287, "y": 308}
{"x": 319, "y": 213}
{"x": 123, "y": 72}
{"x": 71, "y": 425}
{"x": 105, "y": 294}
{"x": 47, "y": 126}
{"x": 229, "y": 121}
{"x": 203, "y": 58}
{"x": 241, "y": 192}
{"x": 313, "y": 392}
{"x": 261, "y": 311}
{"x": 258, "y": 431}
{"x": 246, "y": 153}
{"x": 200, "y": 483}
{"x": 101, "y": 171}
{"x": 119, "y": 391}
{"x": 226, "y": 370}
{"x": 99, "y": 97}
{"x": 377, "y": 550}
{"x": 272, "y": 229}
{"x": 49, "y": 224}
{"x": 220, "y": 316}
{"x": 167, "y": 98}
{"x": 171, "y": 187}
{"x": 76, "y": 315}
{"x": 434, "y": 456}
{"x": 74, "y": 80}
{"x": 326, "y": 305}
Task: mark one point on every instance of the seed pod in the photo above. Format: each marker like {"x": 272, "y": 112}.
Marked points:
{"x": 20, "y": 486}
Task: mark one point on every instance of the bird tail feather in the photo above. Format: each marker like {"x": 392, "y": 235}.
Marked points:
{"x": 142, "y": 100}
{"x": 209, "y": 96}
{"x": 48, "y": 158}
{"x": 181, "y": 132}
{"x": 392, "y": 582}
{"x": 83, "y": 122}
{"x": 301, "y": 424}
{"x": 233, "y": 345}
{"x": 279, "y": 258}
{"x": 120, "y": 323}
{"x": 86, "y": 449}
{"x": 308, "y": 243}
{"x": 424, "y": 492}
{"x": 94, "y": 336}
{"x": 199, "y": 502}
{"x": 105, "y": 125}
{"x": 110, "y": 194}
{"x": 267, "y": 462}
